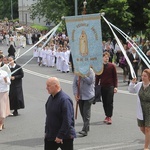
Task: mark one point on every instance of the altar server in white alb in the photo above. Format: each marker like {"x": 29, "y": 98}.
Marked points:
{"x": 40, "y": 54}
{"x": 23, "y": 39}
{"x": 52, "y": 56}
{"x": 65, "y": 60}
{"x": 44, "y": 56}
{"x": 58, "y": 59}
{"x": 7, "y": 38}
{"x": 48, "y": 57}
{"x": 29, "y": 38}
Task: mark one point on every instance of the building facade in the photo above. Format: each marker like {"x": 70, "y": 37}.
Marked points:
{"x": 24, "y": 14}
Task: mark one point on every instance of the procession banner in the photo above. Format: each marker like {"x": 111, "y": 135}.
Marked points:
{"x": 85, "y": 38}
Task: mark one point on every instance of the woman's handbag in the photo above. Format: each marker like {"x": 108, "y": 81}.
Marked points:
{"x": 97, "y": 94}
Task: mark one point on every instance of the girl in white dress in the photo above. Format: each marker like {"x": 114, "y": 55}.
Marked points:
{"x": 58, "y": 59}
{"x": 52, "y": 57}
{"x": 48, "y": 51}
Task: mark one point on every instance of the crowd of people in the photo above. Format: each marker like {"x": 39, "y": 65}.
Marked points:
{"x": 19, "y": 35}
{"x": 58, "y": 53}
{"x": 59, "y": 127}
{"x": 117, "y": 57}
{"x": 54, "y": 54}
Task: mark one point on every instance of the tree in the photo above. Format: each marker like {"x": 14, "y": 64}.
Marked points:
{"x": 128, "y": 15}
{"x": 117, "y": 12}
{"x": 5, "y": 9}
{"x": 52, "y": 10}
{"x": 147, "y": 13}
{"x": 139, "y": 20}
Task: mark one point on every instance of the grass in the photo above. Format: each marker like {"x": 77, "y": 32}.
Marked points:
{"x": 39, "y": 27}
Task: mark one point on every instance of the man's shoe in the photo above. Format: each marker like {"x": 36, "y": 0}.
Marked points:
{"x": 15, "y": 113}
{"x": 84, "y": 133}
{"x": 109, "y": 121}
{"x": 106, "y": 120}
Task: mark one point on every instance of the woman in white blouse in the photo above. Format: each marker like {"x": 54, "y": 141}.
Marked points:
{"x": 143, "y": 104}
{"x": 4, "y": 98}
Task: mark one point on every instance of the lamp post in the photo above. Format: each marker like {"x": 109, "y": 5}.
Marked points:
{"x": 76, "y": 7}
{"x": 84, "y": 7}
{"x": 22, "y": 13}
{"x": 11, "y": 10}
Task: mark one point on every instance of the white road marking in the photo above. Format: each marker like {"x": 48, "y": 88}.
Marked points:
{"x": 45, "y": 76}
{"x": 112, "y": 146}
{"x": 65, "y": 81}
{"x": 17, "y": 53}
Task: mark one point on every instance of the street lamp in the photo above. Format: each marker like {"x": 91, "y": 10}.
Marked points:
{"x": 84, "y": 7}
{"x": 11, "y": 10}
{"x": 22, "y": 13}
{"x": 76, "y": 7}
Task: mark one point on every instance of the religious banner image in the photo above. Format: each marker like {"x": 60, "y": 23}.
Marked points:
{"x": 85, "y": 38}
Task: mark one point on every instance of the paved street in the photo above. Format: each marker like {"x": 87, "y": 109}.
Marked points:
{"x": 26, "y": 131}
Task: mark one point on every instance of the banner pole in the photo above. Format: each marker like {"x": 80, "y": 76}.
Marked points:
{"x": 78, "y": 95}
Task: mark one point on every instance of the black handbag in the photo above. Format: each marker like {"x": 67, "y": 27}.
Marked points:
{"x": 97, "y": 94}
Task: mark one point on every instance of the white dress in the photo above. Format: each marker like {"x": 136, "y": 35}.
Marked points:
{"x": 23, "y": 39}
{"x": 58, "y": 61}
{"x": 52, "y": 58}
{"x": 65, "y": 61}
{"x": 7, "y": 39}
{"x": 48, "y": 57}
{"x": 29, "y": 35}
{"x": 44, "y": 62}
{"x": 4, "y": 98}
{"x": 35, "y": 52}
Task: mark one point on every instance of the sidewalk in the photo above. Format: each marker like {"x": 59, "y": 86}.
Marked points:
{"x": 120, "y": 71}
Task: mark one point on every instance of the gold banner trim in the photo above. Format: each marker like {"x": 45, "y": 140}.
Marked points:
{"x": 83, "y": 18}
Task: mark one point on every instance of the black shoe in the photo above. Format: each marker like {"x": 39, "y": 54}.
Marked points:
{"x": 84, "y": 133}
{"x": 15, "y": 113}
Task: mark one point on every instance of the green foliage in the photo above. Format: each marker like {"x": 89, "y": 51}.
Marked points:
{"x": 62, "y": 27}
{"x": 147, "y": 13}
{"x": 131, "y": 16}
{"x": 52, "y": 10}
{"x": 117, "y": 13}
{"x": 39, "y": 27}
{"x": 5, "y": 9}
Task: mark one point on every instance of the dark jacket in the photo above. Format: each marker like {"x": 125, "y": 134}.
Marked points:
{"x": 11, "y": 51}
{"x": 16, "y": 92}
{"x": 134, "y": 64}
{"x": 59, "y": 117}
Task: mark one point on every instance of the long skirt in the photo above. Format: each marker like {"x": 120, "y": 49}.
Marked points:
{"x": 4, "y": 105}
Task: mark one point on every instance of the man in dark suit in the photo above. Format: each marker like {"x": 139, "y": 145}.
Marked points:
{"x": 135, "y": 61}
